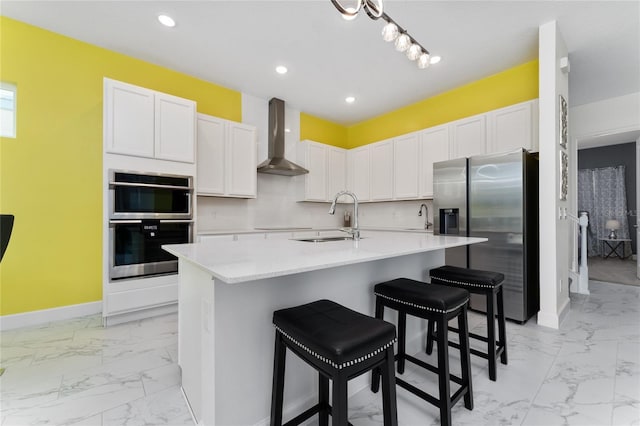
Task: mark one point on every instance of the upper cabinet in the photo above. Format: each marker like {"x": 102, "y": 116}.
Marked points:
{"x": 358, "y": 172}
{"x": 513, "y": 127}
{"x": 327, "y": 167}
{"x": 406, "y": 166}
{"x": 146, "y": 123}
{"x": 227, "y": 158}
{"x": 381, "y": 155}
{"x": 434, "y": 147}
{"x": 469, "y": 136}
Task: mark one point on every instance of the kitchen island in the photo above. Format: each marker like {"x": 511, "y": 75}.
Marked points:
{"x": 229, "y": 290}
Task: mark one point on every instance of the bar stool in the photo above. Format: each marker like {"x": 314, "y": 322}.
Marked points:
{"x": 435, "y": 303}
{"x": 340, "y": 344}
{"x": 489, "y": 284}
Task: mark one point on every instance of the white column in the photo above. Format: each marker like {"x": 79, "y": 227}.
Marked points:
{"x": 555, "y": 243}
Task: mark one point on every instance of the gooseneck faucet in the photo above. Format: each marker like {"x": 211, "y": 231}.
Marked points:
{"x": 427, "y": 224}
{"x": 355, "y": 230}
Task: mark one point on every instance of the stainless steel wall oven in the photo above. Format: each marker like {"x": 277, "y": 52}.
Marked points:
{"x": 147, "y": 210}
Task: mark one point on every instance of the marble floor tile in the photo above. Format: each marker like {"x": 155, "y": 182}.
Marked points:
{"x": 586, "y": 373}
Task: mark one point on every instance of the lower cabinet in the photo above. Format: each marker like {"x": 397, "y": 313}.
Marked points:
{"x": 127, "y": 300}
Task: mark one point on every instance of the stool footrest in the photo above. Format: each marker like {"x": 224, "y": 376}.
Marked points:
{"x": 431, "y": 368}
{"x": 304, "y": 416}
{"x": 418, "y": 392}
{"x": 499, "y": 350}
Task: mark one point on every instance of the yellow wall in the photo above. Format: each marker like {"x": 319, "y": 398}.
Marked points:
{"x": 50, "y": 175}
{"x": 324, "y": 131}
{"x": 517, "y": 84}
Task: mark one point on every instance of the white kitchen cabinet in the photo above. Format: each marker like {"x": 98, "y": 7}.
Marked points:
{"x": 434, "y": 147}
{"x": 358, "y": 172}
{"x": 227, "y": 158}
{"x": 406, "y": 166}
{"x": 327, "y": 171}
{"x": 381, "y": 154}
{"x": 174, "y": 128}
{"x": 242, "y": 156}
{"x": 336, "y": 171}
{"x": 251, "y": 237}
{"x": 469, "y": 136}
{"x": 513, "y": 127}
{"x": 145, "y": 123}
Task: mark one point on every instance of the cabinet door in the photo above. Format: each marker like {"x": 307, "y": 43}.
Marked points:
{"x": 434, "y": 147}
{"x": 406, "y": 162}
{"x": 469, "y": 137}
{"x": 316, "y": 179}
{"x": 336, "y": 170}
{"x": 128, "y": 118}
{"x": 510, "y": 128}
{"x": 174, "y": 128}
{"x": 211, "y": 155}
{"x": 359, "y": 168}
{"x": 242, "y": 153}
{"x": 382, "y": 170}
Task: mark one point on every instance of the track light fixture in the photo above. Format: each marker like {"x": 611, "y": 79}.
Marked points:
{"x": 390, "y": 32}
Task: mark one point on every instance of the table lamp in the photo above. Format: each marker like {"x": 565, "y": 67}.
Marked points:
{"x": 612, "y": 225}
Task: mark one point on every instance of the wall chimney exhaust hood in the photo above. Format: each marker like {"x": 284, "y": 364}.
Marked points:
{"x": 275, "y": 163}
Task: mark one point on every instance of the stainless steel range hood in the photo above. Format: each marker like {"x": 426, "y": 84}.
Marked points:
{"x": 275, "y": 163}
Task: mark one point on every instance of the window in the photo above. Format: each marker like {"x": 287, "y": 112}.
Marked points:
{"x": 7, "y": 110}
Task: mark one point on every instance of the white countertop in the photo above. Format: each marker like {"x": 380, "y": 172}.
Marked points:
{"x": 305, "y": 229}
{"x": 240, "y": 261}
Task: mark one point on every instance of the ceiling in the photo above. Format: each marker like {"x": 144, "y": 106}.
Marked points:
{"x": 238, "y": 44}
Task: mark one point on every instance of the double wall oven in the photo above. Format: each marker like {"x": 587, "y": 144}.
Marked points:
{"x": 147, "y": 210}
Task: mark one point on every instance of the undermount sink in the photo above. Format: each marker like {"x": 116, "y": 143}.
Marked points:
{"x": 323, "y": 239}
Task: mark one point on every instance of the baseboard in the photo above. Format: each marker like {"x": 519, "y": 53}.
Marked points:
{"x": 44, "y": 316}
{"x": 554, "y": 319}
{"x": 110, "y": 320}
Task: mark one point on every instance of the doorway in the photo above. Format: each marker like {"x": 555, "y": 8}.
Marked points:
{"x": 607, "y": 180}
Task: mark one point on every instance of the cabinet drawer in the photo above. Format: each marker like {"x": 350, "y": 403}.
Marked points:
{"x": 131, "y": 300}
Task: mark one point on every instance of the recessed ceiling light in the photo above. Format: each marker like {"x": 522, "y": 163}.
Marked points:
{"x": 281, "y": 69}
{"x": 350, "y": 99}
{"x": 435, "y": 59}
{"x": 166, "y": 20}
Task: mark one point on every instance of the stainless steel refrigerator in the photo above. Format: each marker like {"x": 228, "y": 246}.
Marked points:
{"x": 493, "y": 196}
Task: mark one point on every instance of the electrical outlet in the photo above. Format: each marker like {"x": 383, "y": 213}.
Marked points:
{"x": 560, "y": 287}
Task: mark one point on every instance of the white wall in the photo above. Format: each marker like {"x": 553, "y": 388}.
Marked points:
{"x": 555, "y": 244}
{"x": 607, "y": 117}
{"x": 276, "y": 203}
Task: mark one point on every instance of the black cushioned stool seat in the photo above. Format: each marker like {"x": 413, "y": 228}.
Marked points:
{"x": 435, "y": 303}
{"x": 340, "y": 344}
{"x": 489, "y": 284}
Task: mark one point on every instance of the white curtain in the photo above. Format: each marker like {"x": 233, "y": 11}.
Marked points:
{"x": 603, "y": 195}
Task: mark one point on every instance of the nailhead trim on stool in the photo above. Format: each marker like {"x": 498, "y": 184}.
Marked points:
{"x": 331, "y": 363}
{"x": 426, "y": 308}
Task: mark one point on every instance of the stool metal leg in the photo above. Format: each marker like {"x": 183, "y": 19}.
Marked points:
{"x": 502, "y": 333}
{"x": 277, "y": 392}
{"x": 339, "y": 412}
{"x": 389, "y": 391}
{"x": 323, "y": 400}
{"x": 402, "y": 337}
{"x": 491, "y": 334}
{"x": 443, "y": 377}
{"x": 465, "y": 357}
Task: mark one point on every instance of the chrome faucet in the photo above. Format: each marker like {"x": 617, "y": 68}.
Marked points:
{"x": 427, "y": 224}
{"x": 355, "y": 230}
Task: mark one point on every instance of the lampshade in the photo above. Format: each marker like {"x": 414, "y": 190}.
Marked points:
{"x": 402, "y": 42}
{"x": 390, "y": 32}
{"x": 612, "y": 224}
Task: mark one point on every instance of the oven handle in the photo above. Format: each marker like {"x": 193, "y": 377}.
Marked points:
{"x": 149, "y": 185}
{"x": 132, "y": 221}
